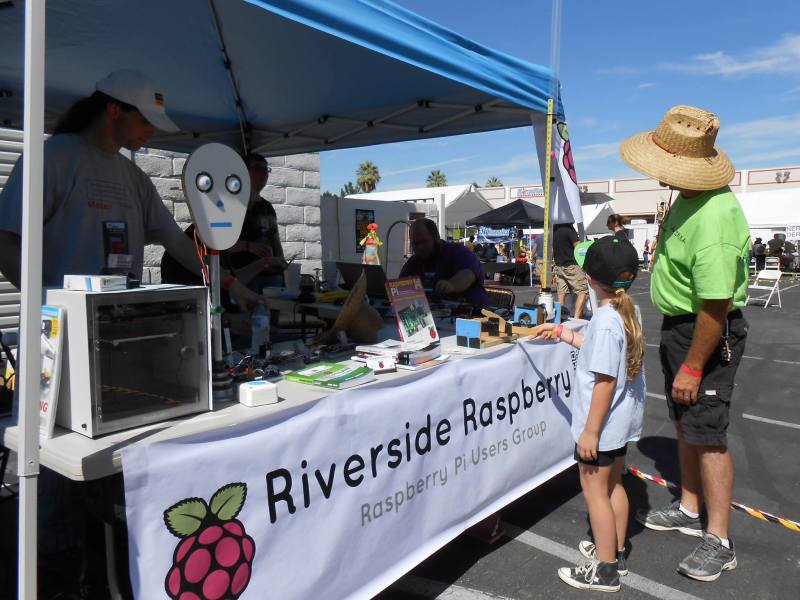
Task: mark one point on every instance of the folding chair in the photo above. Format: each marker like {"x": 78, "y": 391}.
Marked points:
{"x": 773, "y": 263}
{"x": 753, "y": 271}
{"x": 772, "y": 280}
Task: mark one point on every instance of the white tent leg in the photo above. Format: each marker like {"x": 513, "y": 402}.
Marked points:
{"x": 31, "y": 304}
{"x": 442, "y": 221}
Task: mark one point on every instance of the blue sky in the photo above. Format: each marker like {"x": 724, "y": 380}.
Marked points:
{"x": 623, "y": 63}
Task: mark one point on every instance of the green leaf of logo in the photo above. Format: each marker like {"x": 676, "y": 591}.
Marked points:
{"x": 228, "y": 500}
{"x": 562, "y": 131}
{"x": 185, "y": 517}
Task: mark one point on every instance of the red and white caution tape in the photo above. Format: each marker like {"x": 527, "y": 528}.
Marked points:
{"x": 753, "y": 512}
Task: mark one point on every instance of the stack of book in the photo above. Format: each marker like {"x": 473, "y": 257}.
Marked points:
{"x": 407, "y": 355}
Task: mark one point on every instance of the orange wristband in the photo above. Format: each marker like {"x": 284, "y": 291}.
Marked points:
{"x": 559, "y": 331}
{"x": 228, "y": 282}
{"x": 691, "y": 372}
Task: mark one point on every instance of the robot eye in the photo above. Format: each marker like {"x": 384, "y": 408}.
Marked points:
{"x": 204, "y": 182}
{"x": 234, "y": 184}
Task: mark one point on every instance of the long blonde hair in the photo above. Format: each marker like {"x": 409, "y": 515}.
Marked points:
{"x": 623, "y": 304}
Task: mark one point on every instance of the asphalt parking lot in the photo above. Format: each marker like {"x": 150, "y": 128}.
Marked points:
{"x": 545, "y": 526}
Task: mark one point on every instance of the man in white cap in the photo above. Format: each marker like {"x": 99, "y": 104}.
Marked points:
{"x": 100, "y": 209}
{"x": 699, "y": 283}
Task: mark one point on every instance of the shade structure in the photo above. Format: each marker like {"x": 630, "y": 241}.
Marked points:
{"x": 308, "y": 75}
{"x": 518, "y": 213}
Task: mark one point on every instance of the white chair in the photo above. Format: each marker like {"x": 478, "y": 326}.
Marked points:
{"x": 773, "y": 263}
{"x": 767, "y": 280}
{"x": 752, "y": 268}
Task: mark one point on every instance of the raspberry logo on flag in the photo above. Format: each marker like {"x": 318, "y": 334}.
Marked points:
{"x": 567, "y": 160}
{"x": 215, "y": 555}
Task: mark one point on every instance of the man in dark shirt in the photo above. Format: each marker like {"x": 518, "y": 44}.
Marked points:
{"x": 450, "y": 268}
{"x": 568, "y": 275}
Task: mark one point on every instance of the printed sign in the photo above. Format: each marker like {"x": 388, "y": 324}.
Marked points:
{"x": 339, "y": 498}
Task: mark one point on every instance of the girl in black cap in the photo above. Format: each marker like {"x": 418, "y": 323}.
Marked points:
{"x": 607, "y": 412}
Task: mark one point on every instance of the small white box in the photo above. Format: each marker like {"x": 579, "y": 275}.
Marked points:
{"x": 258, "y": 393}
{"x": 382, "y": 364}
{"x": 95, "y": 283}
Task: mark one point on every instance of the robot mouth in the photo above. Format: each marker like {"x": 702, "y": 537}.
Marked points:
{"x": 221, "y": 224}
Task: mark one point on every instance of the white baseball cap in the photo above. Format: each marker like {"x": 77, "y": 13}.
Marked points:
{"x": 131, "y": 87}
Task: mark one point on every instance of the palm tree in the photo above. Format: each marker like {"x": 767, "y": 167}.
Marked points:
{"x": 494, "y": 182}
{"x": 348, "y": 189}
{"x": 367, "y": 176}
{"x": 436, "y": 179}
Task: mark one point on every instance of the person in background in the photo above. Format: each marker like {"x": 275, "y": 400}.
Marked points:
{"x": 616, "y": 224}
{"x": 646, "y": 255}
{"x": 608, "y": 410}
{"x": 491, "y": 252}
{"x": 470, "y": 243}
{"x": 699, "y": 284}
{"x": 569, "y": 277}
{"x": 775, "y": 245}
{"x": 457, "y": 272}
{"x": 760, "y": 254}
{"x": 480, "y": 251}
{"x": 260, "y": 238}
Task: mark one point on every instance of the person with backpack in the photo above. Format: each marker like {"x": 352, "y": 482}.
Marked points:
{"x": 760, "y": 254}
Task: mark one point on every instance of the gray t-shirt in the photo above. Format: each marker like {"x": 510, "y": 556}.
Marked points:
{"x": 604, "y": 351}
{"x": 88, "y": 192}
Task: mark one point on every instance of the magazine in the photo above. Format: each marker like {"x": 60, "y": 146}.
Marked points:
{"x": 52, "y": 341}
{"x": 411, "y": 310}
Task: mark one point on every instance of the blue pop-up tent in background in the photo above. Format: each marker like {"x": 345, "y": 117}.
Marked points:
{"x": 280, "y": 77}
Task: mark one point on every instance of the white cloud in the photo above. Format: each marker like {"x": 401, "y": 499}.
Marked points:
{"x": 646, "y": 85}
{"x": 781, "y": 57}
{"x": 594, "y": 152}
{"x": 429, "y": 166}
{"x": 515, "y": 165}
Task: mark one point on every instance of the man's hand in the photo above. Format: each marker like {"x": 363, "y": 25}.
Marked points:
{"x": 545, "y": 331}
{"x": 588, "y": 442}
{"x": 244, "y": 297}
{"x": 444, "y": 288}
{"x": 277, "y": 264}
{"x": 685, "y": 388}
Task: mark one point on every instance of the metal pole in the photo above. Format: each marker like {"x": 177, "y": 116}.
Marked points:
{"x": 31, "y": 288}
{"x": 442, "y": 221}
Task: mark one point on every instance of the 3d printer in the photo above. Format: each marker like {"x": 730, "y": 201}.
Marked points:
{"x": 134, "y": 357}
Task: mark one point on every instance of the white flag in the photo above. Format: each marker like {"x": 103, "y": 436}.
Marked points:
{"x": 565, "y": 197}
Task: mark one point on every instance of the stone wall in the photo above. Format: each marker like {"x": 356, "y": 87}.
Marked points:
{"x": 293, "y": 190}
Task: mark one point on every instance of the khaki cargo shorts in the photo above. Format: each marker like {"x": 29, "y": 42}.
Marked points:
{"x": 570, "y": 279}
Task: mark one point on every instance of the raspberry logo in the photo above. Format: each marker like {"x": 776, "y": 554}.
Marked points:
{"x": 567, "y": 160}
{"x": 215, "y": 555}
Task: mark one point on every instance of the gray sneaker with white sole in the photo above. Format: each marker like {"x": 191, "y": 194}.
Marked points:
{"x": 708, "y": 560}
{"x": 670, "y": 518}
{"x": 589, "y": 550}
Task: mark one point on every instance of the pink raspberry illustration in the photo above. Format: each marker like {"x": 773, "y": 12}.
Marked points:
{"x": 214, "y": 558}
{"x": 567, "y": 160}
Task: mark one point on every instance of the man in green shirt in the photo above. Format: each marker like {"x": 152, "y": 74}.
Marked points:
{"x": 699, "y": 283}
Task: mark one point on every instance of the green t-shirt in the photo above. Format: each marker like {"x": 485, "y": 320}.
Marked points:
{"x": 702, "y": 254}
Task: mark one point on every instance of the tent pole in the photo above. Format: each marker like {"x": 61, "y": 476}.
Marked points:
{"x": 31, "y": 303}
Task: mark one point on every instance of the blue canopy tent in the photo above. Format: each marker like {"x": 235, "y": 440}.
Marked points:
{"x": 278, "y": 77}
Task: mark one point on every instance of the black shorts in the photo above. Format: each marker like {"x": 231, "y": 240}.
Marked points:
{"x": 704, "y": 423}
{"x": 605, "y": 458}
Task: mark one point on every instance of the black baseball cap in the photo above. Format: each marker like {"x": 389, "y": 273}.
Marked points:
{"x": 612, "y": 261}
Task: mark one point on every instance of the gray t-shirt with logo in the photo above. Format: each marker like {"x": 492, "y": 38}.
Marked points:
{"x": 88, "y": 194}
{"x": 604, "y": 351}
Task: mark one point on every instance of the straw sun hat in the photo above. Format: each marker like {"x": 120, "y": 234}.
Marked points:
{"x": 681, "y": 151}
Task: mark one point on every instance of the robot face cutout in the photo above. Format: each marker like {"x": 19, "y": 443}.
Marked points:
{"x": 217, "y": 186}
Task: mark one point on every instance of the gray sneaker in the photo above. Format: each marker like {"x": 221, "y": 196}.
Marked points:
{"x": 670, "y": 518}
{"x": 708, "y": 560}
{"x": 589, "y": 550}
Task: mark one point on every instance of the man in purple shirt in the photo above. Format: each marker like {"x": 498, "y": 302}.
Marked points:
{"x": 451, "y": 269}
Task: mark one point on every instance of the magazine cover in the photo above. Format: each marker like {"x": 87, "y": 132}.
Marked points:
{"x": 411, "y": 310}
{"x": 52, "y": 340}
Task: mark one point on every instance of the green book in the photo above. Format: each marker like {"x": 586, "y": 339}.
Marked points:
{"x": 332, "y": 375}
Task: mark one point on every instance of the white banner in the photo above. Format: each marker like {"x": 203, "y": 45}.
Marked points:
{"x": 565, "y": 197}
{"x": 342, "y": 497}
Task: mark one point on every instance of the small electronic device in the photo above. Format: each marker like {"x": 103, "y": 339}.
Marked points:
{"x": 382, "y": 364}
{"x": 258, "y": 393}
{"x": 376, "y": 278}
{"x": 132, "y": 357}
{"x": 525, "y": 317}
{"x": 95, "y": 283}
